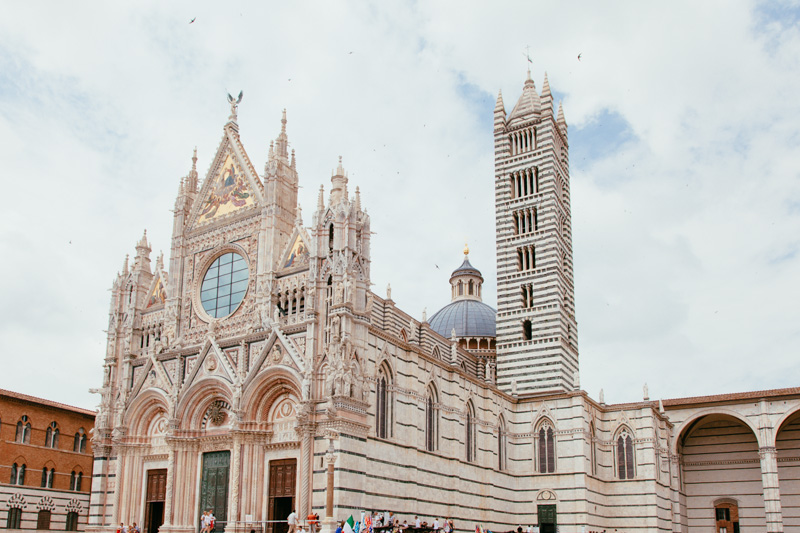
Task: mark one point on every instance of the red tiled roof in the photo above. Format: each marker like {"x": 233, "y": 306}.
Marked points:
{"x": 49, "y": 403}
{"x": 736, "y": 396}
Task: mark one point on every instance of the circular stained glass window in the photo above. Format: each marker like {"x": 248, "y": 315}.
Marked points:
{"x": 224, "y": 285}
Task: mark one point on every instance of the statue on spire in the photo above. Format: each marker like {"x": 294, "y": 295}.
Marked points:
{"x": 235, "y": 104}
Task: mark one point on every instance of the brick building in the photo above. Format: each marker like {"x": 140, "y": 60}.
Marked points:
{"x": 45, "y": 463}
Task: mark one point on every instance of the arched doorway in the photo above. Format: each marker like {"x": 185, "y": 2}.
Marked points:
{"x": 787, "y": 444}
{"x": 720, "y": 475}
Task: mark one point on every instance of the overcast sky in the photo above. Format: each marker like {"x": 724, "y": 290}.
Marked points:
{"x": 684, "y": 129}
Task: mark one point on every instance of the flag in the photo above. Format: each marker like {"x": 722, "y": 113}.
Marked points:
{"x": 348, "y": 525}
{"x": 368, "y": 523}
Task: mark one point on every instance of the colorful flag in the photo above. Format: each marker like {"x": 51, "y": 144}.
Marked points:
{"x": 348, "y": 525}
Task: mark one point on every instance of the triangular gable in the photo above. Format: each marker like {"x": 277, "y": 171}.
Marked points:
{"x": 231, "y": 185}
{"x": 297, "y": 251}
{"x": 278, "y": 350}
{"x": 210, "y": 362}
{"x": 157, "y": 295}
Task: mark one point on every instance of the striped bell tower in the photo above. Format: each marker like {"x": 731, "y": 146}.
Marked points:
{"x": 537, "y": 336}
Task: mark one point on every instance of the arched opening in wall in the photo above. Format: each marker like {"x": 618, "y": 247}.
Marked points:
{"x": 536, "y": 178}
{"x": 592, "y": 450}
{"x": 72, "y": 521}
{"x": 18, "y": 473}
{"x": 431, "y": 419}
{"x": 787, "y": 445}
{"x": 502, "y": 458}
{"x": 473, "y": 344}
{"x": 14, "y": 520}
{"x": 23, "y": 430}
{"x": 546, "y": 448}
{"x": 471, "y": 287}
{"x": 513, "y": 186}
{"x": 527, "y": 330}
{"x": 719, "y": 458}
{"x": 460, "y": 289}
{"x": 470, "y": 436}
{"x": 726, "y": 515}
{"x": 79, "y": 441}
{"x": 625, "y": 454}
{"x": 43, "y": 520}
{"x": 51, "y": 436}
{"x": 384, "y": 403}
{"x": 330, "y": 237}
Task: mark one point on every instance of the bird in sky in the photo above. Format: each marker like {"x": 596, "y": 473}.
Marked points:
{"x": 192, "y": 20}
{"x": 579, "y": 56}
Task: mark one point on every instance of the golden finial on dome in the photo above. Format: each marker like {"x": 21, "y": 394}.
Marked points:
{"x": 466, "y": 249}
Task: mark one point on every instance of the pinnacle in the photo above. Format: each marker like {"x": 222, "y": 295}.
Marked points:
{"x": 545, "y": 86}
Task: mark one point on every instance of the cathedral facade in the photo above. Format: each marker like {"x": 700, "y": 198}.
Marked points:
{"x": 256, "y": 372}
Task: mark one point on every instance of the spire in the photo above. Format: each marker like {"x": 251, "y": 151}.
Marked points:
{"x": 499, "y": 107}
{"x": 298, "y": 220}
{"x": 499, "y": 113}
{"x": 547, "y": 97}
{"x": 282, "y": 142}
{"x": 142, "y": 244}
{"x": 294, "y": 163}
{"x": 271, "y": 154}
{"x": 358, "y": 199}
{"x": 339, "y": 181}
{"x": 321, "y": 199}
{"x": 125, "y": 266}
{"x": 142, "y": 261}
{"x": 191, "y": 183}
{"x": 529, "y": 103}
{"x": 560, "y": 120}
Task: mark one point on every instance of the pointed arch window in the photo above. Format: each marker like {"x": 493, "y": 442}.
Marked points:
{"x": 470, "y": 436}
{"x": 547, "y": 450}
{"x": 75, "y": 480}
{"x": 527, "y": 330}
{"x": 592, "y": 449}
{"x": 625, "y": 456}
{"x": 431, "y": 421}
{"x": 383, "y": 405}
{"x": 79, "y": 443}
{"x": 502, "y": 459}
{"x": 18, "y": 474}
{"x": 24, "y": 430}
{"x": 330, "y": 237}
{"x": 51, "y": 436}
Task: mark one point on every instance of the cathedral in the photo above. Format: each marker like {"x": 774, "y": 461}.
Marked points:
{"x": 254, "y": 372}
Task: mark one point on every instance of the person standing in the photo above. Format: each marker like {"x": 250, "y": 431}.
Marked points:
{"x": 436, "y": 524}
{"x": 292, "y": 521}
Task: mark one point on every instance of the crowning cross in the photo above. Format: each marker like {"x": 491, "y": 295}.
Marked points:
{"x": 234, "y": 104}
{"x": 528, "y": 54}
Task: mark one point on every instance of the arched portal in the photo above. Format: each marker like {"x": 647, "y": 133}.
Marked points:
{"x": 720, "y": 463}
{"x": 787, "y": 445}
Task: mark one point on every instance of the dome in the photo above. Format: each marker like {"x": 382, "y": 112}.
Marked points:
{"x": 470, "y": 318}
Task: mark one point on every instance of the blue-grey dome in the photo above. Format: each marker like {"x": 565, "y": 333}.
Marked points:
{"x": 471, "y": 318}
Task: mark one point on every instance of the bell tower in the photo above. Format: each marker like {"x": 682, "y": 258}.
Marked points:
{"x": 537, "y": 338}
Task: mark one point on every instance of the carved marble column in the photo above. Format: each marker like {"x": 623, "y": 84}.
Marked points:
{"x": 329, "y": 522}
{"x": 236, "y": 467}
{"x": 170, "y": 484}
{"x": 307, "y": 453}
{"x": 120, "y": 451}
{"x": 675, "y": 486}
{"x": 772, "y": 492}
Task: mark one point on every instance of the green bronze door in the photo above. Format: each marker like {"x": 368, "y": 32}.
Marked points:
{"x": 214, "y": 486}
{"x": 547, "y": 518}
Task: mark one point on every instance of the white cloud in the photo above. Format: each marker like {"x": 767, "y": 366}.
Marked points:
{"x": 686, "y": 210}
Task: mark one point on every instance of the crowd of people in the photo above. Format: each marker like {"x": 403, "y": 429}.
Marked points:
{"x": 133, "y": 528}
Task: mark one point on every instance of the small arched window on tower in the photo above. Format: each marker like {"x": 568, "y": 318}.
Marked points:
{"x": 471, "y": 287}
{"x": 527, "y": 330}
{"x": 23, "y": 430}
{"x": 460, "y": 289}
{"x": 547, "y": 450}
{"x": 330, "y": 237}
{"x": 625, "y": 455}
{"x": 536, "y": 178}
